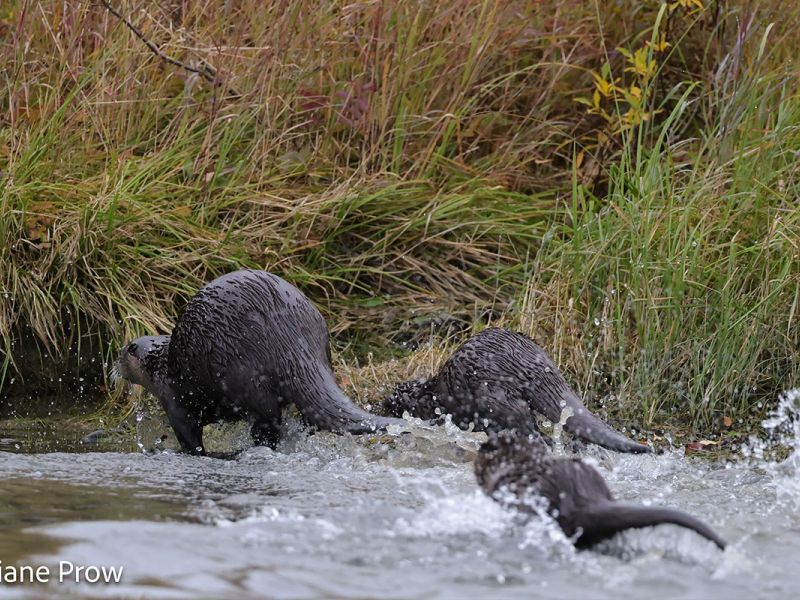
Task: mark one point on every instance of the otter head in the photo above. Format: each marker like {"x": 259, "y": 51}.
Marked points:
{"x": 412, "y": 397}
{"x": 509, "y": 458}
{"x": 143, "y": 361}
{"x": 512, "y": 445}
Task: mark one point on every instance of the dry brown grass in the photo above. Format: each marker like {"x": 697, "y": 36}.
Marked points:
{"x": 395, "y": 160}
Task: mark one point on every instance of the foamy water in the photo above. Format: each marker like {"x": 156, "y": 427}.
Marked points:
{"x": 398, "y": 516}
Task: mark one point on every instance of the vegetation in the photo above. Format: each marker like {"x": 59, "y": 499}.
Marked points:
{"x": 619, "y": 179}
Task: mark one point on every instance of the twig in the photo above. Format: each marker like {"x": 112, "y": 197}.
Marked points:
{"x": 207, "y": 72}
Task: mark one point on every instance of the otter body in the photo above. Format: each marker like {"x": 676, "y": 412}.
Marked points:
{"x": 496, "y": 380}
{"x": 245, "y": 346}
{"x": 510, "y": 468}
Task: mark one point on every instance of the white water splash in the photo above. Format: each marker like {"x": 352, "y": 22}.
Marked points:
{"x": 456, "y": 515}
{"x": 262, "y": 514}
{"x": 558, "y": 428}
{"x": 783, "y": 426}
{"x": 783, "y": 431}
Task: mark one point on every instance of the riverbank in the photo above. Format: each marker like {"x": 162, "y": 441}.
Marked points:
{"x": 621, "y": 184}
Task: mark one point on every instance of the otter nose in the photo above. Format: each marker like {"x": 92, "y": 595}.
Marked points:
{"x": 132, "y": 347}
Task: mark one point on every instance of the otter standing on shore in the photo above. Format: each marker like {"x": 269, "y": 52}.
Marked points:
{"x": 246, "y": 346}
{"x": 495, "y": 381}
{"x": 514, "y": 469}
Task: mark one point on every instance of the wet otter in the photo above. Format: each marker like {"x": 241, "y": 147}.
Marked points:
{"x": 511, "y": 467}
{"x": 244, "y": 347}
{"x": 495, "y": 380}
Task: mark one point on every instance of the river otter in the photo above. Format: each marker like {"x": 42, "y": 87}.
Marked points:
{"x": 244, "y": 347}
{"x": 495, "y": 381}
{"x": 511, "y": 467}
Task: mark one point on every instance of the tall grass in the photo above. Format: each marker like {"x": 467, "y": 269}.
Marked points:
{"x": 403, "y": 159}
{"x": 344, "y": 161}
{"x": 677, "y": 295}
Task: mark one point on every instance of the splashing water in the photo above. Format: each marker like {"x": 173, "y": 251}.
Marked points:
{"x": 393, "y": 516}
{"x": 558, "y": 428}
{"x": 782, "y": 429}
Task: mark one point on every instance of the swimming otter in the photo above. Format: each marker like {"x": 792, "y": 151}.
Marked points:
{"x": 495, "y": 380}
{"x": 244, "y": 347}
{"x": 510, "y": 467}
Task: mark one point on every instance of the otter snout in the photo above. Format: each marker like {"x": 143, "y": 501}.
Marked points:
{"x": 128, "y": 366}
{"x": 140, "y": 361}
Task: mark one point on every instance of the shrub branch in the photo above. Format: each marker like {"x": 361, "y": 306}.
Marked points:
{"x": 207, "y": 72}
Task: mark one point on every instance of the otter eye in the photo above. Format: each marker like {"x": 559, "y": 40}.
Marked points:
{"x": 132, "y": 347}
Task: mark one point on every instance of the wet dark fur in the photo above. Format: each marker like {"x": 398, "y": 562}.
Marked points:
{"x": 495, "y": 381}
{"x": 247, "y": 345}
{"x": 510, "y": 467}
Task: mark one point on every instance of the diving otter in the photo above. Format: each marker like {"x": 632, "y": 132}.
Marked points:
{"x": 245, "y": 346}
{"x": 509, "y": 467}
{"x": 496, "y": 380}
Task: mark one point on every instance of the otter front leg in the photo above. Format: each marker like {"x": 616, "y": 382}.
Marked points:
{"x": 187, "y": 426}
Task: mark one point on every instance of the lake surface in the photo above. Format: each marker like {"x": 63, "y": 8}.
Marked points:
{"x": 397, "y": 517}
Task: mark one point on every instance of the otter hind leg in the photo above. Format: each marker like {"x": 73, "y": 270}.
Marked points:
{"x": 267, "y": 432}
{"x": 498, "y": 409}
{"x": 266, "y": 417}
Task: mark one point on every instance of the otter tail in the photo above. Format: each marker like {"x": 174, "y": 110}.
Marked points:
{"x": 328, "y": 408}
{"x": 601, "y": 521}
{"x": 587, "y": 426}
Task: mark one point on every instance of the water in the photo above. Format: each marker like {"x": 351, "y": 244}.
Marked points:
{"x": 395, "y": 517}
